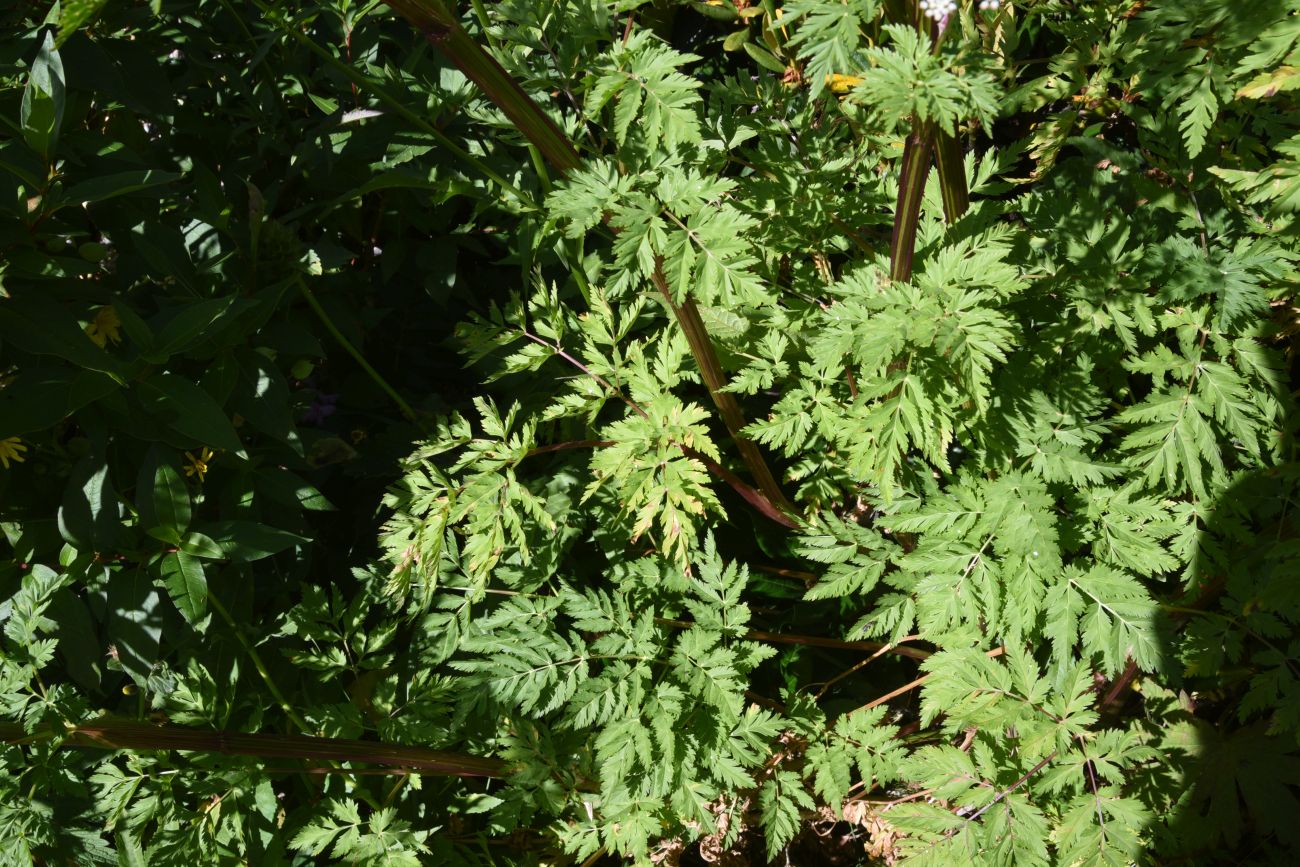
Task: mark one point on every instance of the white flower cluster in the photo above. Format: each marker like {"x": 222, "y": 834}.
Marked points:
{"x": 937, "y": 10}
{"x": 988, "y": 5}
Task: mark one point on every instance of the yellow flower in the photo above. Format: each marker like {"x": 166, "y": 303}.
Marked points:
{"x": 198, "y": 466}
{"x": 842, "y": 83}
{"x": 104, "y": 328}
{"x": 11, "y": 449}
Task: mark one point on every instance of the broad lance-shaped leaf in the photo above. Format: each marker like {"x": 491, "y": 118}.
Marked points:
{"x": 38, "y": 398}
{"x": 36, "y": 324}
{"x": 41, "y": 116}
{"x": 188, "y": 327}
{"x": 90, "y": 516}
{"x": 75, "y": 14}
{"x": 189, "y": 410}
{"x": 182, "y": 575}
{"x": 244, "y": 541}
{"x": 103, "y": 187}
{"x": 170, "y": 500}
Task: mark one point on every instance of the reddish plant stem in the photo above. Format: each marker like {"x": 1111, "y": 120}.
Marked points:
{"x": 907, "y": 212}
{"x": 952, "y": 177}
{"x": 572, "y": 444}
{"x": 801, "y": 575}
{"x": 688, "y": 315}
{"x": 815, "y": 641}
{"x": 119, "y": 734}
{"x": 441, "y": 27}
{"x": 908, "y": 687}
{"x": 917, "y": 155}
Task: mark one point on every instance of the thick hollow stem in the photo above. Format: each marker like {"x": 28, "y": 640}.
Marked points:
{"x": 907, "y": 213}
{"x": 952, "y": 177}
{"x": 443, "y": 31}
{"x": 688, "y": 315}
{"x": 381, "y": 93}
{"x": 916, "y": 165}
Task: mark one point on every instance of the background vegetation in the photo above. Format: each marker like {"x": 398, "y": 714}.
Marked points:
{"x": 867, "y": 438}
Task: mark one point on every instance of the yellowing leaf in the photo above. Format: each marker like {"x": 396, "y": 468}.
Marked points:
{"x": 1268, "y": 84}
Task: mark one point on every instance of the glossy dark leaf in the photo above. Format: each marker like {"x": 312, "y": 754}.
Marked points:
{"x": 40, "y": 398}
{"x": 182, "y": 575}
{"x": 189, "y": 410}
{"x": 43, "y": 100}
{"x": 247, "y": 541}
{"x": 43, "y": 327}
{"x": 134, "y": 623}
{"x": 90, "y": 517}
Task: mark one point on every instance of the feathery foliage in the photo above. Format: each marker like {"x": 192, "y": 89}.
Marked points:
{"x": 1020, "y": 588}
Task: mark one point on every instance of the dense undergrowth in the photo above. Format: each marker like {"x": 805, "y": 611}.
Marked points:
{"x": 868, "y": 436}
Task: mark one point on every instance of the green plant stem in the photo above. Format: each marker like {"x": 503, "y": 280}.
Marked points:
{"x": 259, "y": 664}
{"x": 539, "y": 166}
{"x": 238, "y": 19}
{"x": 271, "y": 686}
{"x": 480, "y": 12}
{"x": 121, "y": 734}
{"x": 374, "y": 375}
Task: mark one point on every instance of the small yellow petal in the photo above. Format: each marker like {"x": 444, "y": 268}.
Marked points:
{"x": 105, "y": 328}
{"x": 11, "y": 449}
{"x": 842, "y": 83}
{"x": 198, "y": 464}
